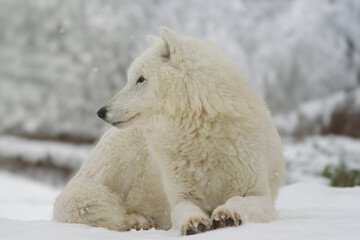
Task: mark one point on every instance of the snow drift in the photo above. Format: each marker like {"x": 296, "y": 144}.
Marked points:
{"x": 306, "y": 211}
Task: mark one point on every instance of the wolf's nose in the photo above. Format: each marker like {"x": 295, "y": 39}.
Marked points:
{"x": 102, "y": 112}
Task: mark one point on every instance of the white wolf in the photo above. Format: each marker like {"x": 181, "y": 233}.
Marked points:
{"x": 200, "y": 137}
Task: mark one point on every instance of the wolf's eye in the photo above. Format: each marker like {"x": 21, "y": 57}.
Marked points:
{"x": 140, "y": 80}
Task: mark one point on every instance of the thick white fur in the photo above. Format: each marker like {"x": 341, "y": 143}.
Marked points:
{"x": 118, "y": 187}
{"x": 210, "y": 135}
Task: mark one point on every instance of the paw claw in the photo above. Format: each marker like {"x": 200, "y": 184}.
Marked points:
{"x": 190, "y": 232}
{"x": 195, "y": 225}
{"x": 229, "y": 222}
{"x": 216, "y": 224}
{"x": 140, "y": 222}
{"x": 201, "y": 227}
{"x": 224, "y": 217}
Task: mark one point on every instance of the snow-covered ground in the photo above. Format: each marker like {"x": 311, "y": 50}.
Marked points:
{"x": 34, "y": 151}
{"x": 308, "y": 207}
{"x": 47, "y": 161}
{"x": 25, "y": 199}
{"x": 306, "y": 159}
{"x": 306, "y": 211}
{"x": 61, "y": 60}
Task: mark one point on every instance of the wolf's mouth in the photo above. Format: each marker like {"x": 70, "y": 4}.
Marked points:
{"x": 126, "y": 121}
{"x": 118, "y": 123}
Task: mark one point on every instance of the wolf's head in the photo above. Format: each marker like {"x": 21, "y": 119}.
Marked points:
{"x": 177, "y": 75}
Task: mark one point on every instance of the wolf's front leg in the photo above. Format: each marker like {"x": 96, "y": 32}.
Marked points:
{"x": 189, "y": 218}
{"x": 238, "y": 209}
{"x": 186, "y": 216}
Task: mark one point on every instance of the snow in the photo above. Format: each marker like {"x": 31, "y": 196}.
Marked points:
{"x": 25, "y": 199}
{"x": 33, "y": 151}
{"x": 306, "y": 211}
{"x": 312, "y": 117}
{"x": 60, "y": 61}
{"x": 306, "y": 159}
{"x": 307, "y": 208}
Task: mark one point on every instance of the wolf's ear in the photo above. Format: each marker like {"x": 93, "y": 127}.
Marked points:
{"x": 153, "y": 40}
{"x": 163, "y": 48}
{"x": 171, "y": 39}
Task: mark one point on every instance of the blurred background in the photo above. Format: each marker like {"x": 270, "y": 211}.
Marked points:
{"x": 61, "y": 60}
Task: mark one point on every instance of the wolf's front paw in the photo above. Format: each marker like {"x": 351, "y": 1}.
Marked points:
{"x": 195, "y": 225}
{"x": 138, "y": 221}
{"x": 223, "y": 217}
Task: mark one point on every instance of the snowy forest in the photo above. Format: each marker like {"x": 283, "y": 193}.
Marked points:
{"x": 61, "y": 60}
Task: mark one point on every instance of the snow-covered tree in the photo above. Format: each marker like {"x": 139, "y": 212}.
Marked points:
{"x": 60, "y": 60}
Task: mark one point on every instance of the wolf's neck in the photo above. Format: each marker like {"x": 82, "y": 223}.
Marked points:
{"x": 182, "y": 124}
{"x": 175, "y": 137}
